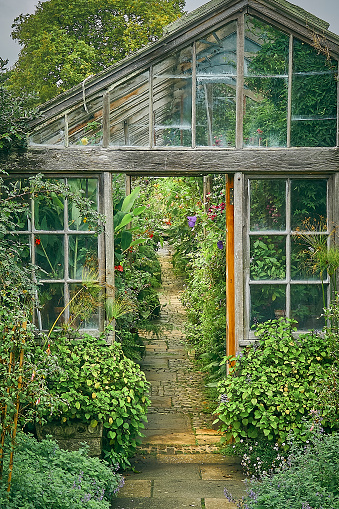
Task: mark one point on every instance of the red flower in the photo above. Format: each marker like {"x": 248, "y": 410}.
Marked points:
{"x": 37, "y": 242}
{"x": 151, "y": 235}
{"x": 119, "y": 268}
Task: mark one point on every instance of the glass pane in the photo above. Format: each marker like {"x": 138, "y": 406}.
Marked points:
{"x": 89, "y": 188}
{"x": 266, "y": 85}
{"x": 83, "y": 257}
{"x": 129, "y": 119}
{"x": 309, "y": 204}
{"x": 216, "y": 106}
{"x": 51, "y": 300}
{"x": 84, "y": 308}
{"x": 53, "y": 134}
{"x": 268, "y": 205}
{"x": 85, "y": 125}
{"x": 173, "y": 111}
{"x": 314, "y": 97}
{"x": 268, "y": 257}
{"x": 216, "y": 83}
{"x": 20, "y": 190}
{"x": 266, "y": 49}
{"x": 304, "y": 249}
{"x": 267, "y": 302}
{"x": 49, "y": 256}
{"x": 313, "y": 133}
{"x": 49, "y": 212}
{"x": 265, "y": 112}
{"x": 307, "y": 305}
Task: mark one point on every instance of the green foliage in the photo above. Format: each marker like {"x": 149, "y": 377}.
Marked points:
{"x": 17, "y": 288}
{"x": 22, "y": 383}
{"x": 15, "y": 114}
{"x": 100, "y": 384}
{"x": 46, "y": 477}
{"x": 64, "y": 42}
{"x": 272, "y": 385}
{"x": 309, "y": 480}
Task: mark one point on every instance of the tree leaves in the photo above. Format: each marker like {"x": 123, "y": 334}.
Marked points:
{"x": 65, "y": 42}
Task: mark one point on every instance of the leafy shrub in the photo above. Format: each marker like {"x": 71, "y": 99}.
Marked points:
{"x": 272, "y": 384}
{"x": 46, "y": 477}
{"x": 100, "y": 384}
{"x": 258, "y": 457}
{"x": 310, "y": 479}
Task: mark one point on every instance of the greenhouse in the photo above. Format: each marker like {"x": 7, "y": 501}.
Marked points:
{"x": 243, "y": 88}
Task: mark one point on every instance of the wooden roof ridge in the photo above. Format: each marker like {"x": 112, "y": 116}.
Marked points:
{"x": 175, "y": 35}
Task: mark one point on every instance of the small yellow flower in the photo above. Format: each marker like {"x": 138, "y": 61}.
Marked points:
{"x": 85, "y": 219}
{"x": 84, "y": 141}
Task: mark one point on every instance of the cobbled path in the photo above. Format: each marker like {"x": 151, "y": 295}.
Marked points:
{"x": 177, "y": 418}
{"x": 178, "y": 464}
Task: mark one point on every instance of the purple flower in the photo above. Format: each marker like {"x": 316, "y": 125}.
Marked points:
{"x": 191, "y": 221}
{"x": 220, "y": 244}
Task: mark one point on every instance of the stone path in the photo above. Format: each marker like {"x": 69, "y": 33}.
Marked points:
{"x": 178, "y": 464}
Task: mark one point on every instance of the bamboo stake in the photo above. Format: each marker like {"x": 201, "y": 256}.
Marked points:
{"x": 16, "y": 415}
{"x": 3, "y": 417}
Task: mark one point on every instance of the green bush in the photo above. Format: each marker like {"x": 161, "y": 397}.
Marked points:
{"x": 310, "y": 479}
{"x": 100, "y": 384}
{"x": 46, "y": 477}
{"x": 272, "y": 384}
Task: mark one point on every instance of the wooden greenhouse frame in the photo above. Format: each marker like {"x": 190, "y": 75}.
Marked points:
{"x": 58, "y": 143}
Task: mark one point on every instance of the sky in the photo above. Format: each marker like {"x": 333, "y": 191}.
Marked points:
{"x": 10, "y": 9}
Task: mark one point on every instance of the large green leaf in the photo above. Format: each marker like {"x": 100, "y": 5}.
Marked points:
{"x": 126, "y": 219}
{"x": 128, "y": 202}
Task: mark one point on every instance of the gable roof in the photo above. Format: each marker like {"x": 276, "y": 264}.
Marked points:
{"x": 281, "y": 13}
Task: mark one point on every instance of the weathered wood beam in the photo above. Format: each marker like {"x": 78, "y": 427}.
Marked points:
{"x": 172, "y": 161}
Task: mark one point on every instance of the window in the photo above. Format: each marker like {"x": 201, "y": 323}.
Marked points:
{"x": 287, "y": 220}
{"x": 60, "y": 243}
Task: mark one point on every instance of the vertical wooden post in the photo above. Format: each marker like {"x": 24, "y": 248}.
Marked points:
{"x": 338, "y": 109}
{"x": 289, "y": 95}
{"x": 109, "y": 245}
{"x": 106, "y": 120}
{"x": 240, "y": 81}
{"x": 151, "y": 133}
{"x": 66, "y": 137}
{"x": 238, "y": 257}
{"x": 230, "y": 294}
{"x": 194, "y": 93}
{"x": 206, "y": 190}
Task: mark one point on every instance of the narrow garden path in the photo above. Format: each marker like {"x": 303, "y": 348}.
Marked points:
{"x": 178, "y": 464}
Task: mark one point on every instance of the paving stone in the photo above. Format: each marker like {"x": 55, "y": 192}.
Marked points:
{"x": 219, "y": 503}
{"x": 136, "y": 488}
{"x": 153, "y": 503}
{"x": 219, "y": 473}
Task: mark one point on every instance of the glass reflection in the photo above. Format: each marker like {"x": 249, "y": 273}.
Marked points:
{"x": 83, "y": 257}
{"x": 49, "y": 256}
{"x": 85, "y": 301}
{"x": 129, "y": 119}
{"x": 267, "y": 205}
{"x": 268, "y": 257}
{"x": 89, "y": 190}
{"x": 309, "y": 204}
{"x": 216, "y": 84}
{"x": 51, "y": 304}
{"x": 307, "y": 303}
{"x": 266, "y": 85}
{"x": 303, "y": 257}
{"x": 49, "y": 213}
{"x": 85, "y": 124}
{"x": 267, "y": 302}
{"x": 314, "y": 97}
{"x": 216, "y": 114}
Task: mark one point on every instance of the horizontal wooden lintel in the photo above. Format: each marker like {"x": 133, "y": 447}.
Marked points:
{"x": 171, "y": 161}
